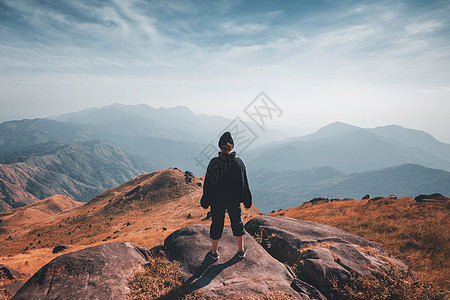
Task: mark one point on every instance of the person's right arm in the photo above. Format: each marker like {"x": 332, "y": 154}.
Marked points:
{"x": 205, "y": 201}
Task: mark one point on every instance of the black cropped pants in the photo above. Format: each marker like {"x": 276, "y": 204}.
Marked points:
{"x": 218, "y": 219}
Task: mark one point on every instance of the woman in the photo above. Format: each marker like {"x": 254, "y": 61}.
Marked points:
{"x": 225, "y": 188}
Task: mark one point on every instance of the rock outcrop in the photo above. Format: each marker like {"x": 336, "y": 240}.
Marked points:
{"x": 436, "y": 197}
{"x": 61, "y": 248}
{"x": 249, "y": 278}
{"x": 322, "y": 253}
{"x": 99, "y": 272}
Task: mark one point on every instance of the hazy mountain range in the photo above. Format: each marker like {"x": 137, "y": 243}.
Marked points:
{"x": 83, "y": 153}
{"x": 349, "y": 148}
{"x": 282, "y": 189}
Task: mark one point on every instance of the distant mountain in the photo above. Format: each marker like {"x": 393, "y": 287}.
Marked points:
{"x": 80, "y": 171}
{"x": 136, "y": 121}
{"x": 351, "y": 149}
{"x": 175, "y": 123}
{"x": 415, "y": 138}
{"x": 330, "y": 130}
{"x": 273, "y": 190}
{"x": 17, "y": 135}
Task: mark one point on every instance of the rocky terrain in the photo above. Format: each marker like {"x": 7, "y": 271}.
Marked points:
{"x": 416, "y": 229}
{"x": 324, "y": 254}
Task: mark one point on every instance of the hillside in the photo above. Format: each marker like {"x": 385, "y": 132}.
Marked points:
{"x": 143, "y": 211}
{"x": 416, "y": 232}
{"x": 79, "y": 171}
{"x": 21, "y": 184}
{"x": 23, "y": 217}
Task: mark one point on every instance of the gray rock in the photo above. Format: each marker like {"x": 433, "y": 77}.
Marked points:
{"x": 255, "y": 275}
{"x": 13, "y": 287}
{"x": 61, "y": 248}
{"x": 318, "y": 200}
{"x": 322, "y": 253}
{"x": 376, "y": 199}
{"x": 99, "y": 272}
{"x": 188, "y": 175}
{"x": 431, "y": 198}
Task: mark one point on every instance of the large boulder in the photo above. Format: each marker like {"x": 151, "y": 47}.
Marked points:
{"x": 254, "y": 276}
{"x": 322, "y": 253}
{"x": 99, "y": 272}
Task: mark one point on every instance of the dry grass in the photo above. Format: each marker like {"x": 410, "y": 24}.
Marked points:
{"x": 391, "y": 286}
{"x": 417, "y": 233}
{"x": 158, "y": 279}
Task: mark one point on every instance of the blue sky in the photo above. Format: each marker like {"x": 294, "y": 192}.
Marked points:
{"x": 367, "y": 63}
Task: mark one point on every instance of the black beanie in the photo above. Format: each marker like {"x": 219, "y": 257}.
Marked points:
{"x": 226, "y": 138}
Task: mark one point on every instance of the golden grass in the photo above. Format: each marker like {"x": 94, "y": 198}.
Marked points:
{"x": 393, "y": 285}
{"x": 417, "y": 233}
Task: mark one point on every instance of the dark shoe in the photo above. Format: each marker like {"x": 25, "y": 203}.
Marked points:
{"x": 213, "y": 256}
{"x": 241, "y": 254}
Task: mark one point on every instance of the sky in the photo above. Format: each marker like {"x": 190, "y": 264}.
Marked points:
{"x": 366, "y": 63}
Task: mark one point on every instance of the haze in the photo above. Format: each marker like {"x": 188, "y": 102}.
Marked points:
{"x": 360, "y": 62}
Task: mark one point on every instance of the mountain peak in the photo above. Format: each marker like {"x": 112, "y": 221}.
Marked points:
{"x": 338, "y": 127}
{"x": 330, "y": 130}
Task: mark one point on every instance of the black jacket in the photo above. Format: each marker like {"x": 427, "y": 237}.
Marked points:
{"x": 226, "y": 182}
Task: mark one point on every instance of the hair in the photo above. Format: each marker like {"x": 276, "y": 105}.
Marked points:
{"x": 227, "y": 147}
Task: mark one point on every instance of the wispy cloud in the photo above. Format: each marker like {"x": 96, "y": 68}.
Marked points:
{"x": 423, "y": 27}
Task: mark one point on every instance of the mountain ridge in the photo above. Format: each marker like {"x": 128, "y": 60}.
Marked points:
{"x": 296, "y": 187}
{"x": 80, "y": 170}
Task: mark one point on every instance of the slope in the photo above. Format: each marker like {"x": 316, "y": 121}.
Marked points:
{"x": 40, "y": 210}
{"x": 21, "y": 184}
{"x": 143, "y": 211}
{"x": 80, "y": 171}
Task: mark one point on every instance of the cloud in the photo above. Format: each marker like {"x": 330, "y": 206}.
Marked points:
{"x": 233, "y": 28}
{"x": 423, "y": 27}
